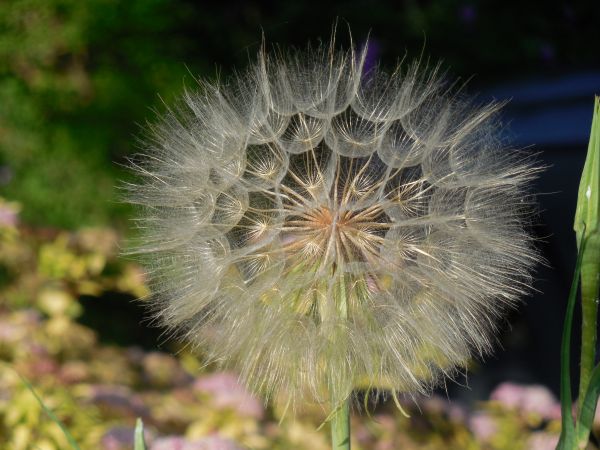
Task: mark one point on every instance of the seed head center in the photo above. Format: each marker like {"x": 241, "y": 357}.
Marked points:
{"x": 337, "y": 235}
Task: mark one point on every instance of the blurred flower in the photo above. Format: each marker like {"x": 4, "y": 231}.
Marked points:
{"x": 16, "y": 326}
{"x": 541, "y": 440}
{"x": 533, "y": 399}
{"x": 122, "y": 438}
{"x": 115, "y": 400}
{"x": 208, "y": 443}
{"x": 118, "y": 438}
{"x": 441, "y": 405}
{"x": 483, "y": 426}
{"x": 72, "y": 372}
{"x": 228, "y": 393}
{"x": 318, "y": 229}
{"x": 56, "y": 302}
{"x": 9, "y": 213}
{"x": 98, "y": 240}
{"x": 162, "y": 370}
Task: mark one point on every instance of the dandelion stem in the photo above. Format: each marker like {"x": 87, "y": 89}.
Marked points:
{"x": 590, "y": 268}
{"x": 340, "y": 427}
{"x": 340, "y": 421}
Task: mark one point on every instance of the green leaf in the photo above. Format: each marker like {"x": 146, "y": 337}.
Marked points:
{"x": 50, "y": 413}
{"x": 587, "y": 213}
{"x": 567, "y": 436}
{"x": 587, "y": 226}
{"x": 140, "y": 444}
{"x": 587, "y": 409}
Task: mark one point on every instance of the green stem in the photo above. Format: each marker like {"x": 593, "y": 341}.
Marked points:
{"x": 567, "y": 434}
{"x": 340, "y": 428}
{"x": 590, "y": 268}
{"x": 340, "y": 420}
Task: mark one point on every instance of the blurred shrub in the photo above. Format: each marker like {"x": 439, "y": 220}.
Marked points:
{"x": 98, "y": 390}
{"x": 75, "y": 77}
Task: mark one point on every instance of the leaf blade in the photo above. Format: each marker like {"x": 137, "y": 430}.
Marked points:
{"x": 587, "y": 409}
{"x": 139, "y": 442}
{"x": 50, "y": 413}
{"x": 567, "y": 439}
{"x": 587, "y": 213}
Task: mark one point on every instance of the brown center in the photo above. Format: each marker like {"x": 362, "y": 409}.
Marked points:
{"x": 336, "y": 236}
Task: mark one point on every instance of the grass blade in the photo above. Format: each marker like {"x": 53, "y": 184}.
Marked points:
{"x": 567, "y": 436}
{"x": 587, "y": 223}
{"x": 139, "y": 443}
{"x": 50, "y": 413}
{"x": 587, "y": 408}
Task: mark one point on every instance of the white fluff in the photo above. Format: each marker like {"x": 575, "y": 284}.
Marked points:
{"x": 320, "y": 228}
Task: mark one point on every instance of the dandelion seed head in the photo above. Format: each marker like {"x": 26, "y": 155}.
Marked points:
{"x": 320, "y": 227}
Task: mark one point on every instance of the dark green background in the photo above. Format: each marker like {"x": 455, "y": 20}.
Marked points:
{"x": 79, "y": 78}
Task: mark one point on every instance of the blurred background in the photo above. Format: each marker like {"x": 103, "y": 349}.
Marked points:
{"x": 78, "y": 81}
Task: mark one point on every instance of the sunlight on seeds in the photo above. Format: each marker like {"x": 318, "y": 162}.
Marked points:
{"x": 314, "y": 225}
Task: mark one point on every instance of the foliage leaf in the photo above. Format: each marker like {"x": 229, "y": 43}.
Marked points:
{"x": 587, "y": 408}
{"x": 587, "y": 213}
{"x": 50, "y": 413}
{"x": 140, "y": 444}
{"x": 567, "y": 435}
{"x": 587, "y": 223}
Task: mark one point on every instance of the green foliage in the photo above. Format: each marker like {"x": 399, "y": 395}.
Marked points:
{"x": 98, "y": 391}
{"x": 140, "y": 444}
{"x": 567, "y": 436}
{"x": 75, "y": 78}
{"x": 587, "y": 228}
{"x": 587, "y": 409}
{"x": 52, "y": 416}
{"x": 587, "y": 214}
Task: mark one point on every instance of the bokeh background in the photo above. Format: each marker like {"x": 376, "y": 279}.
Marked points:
{"x": 78, "y": 81}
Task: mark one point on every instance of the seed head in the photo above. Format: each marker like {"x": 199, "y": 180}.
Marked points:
{"x": 322, "y": 227}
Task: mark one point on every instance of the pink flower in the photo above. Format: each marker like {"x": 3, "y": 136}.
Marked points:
{"x": 118, "y": 399}
{"x": 542, "y": 441}
{"x": 121, "y": 438}
{"x": 532, "y": 399}
{"x": 227, "y": 392}
{"x": 9, "y": 214}
{"x": 207, "y": 443}
{"x": 483, "y": 426}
